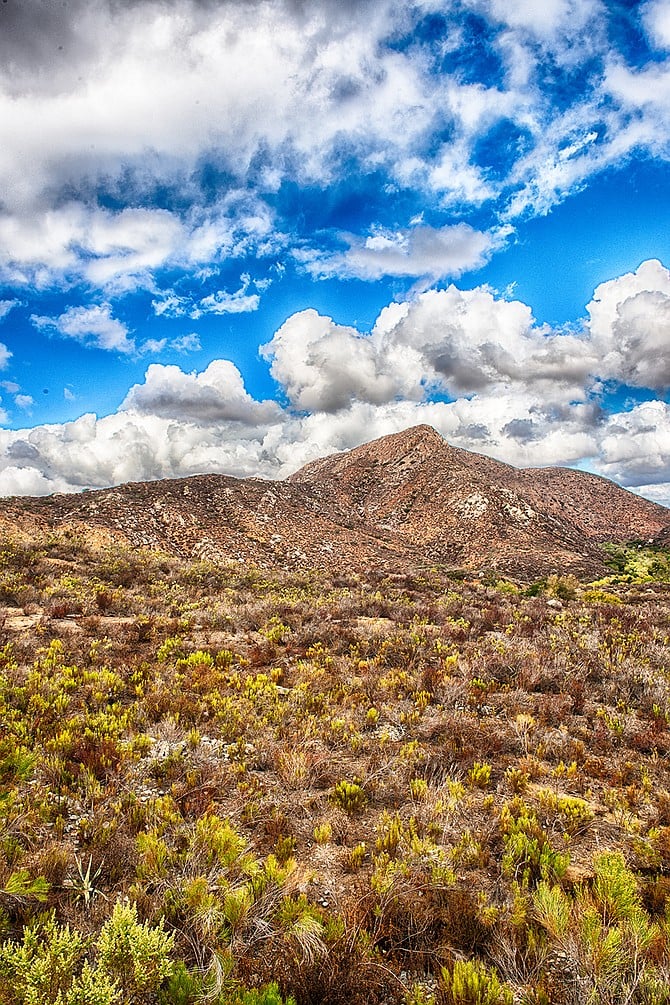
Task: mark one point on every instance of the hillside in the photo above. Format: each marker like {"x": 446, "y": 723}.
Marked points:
{"x": 243, "y": 786}
{"x": 459, "y": 507}
{"x": 266, "y": 744}
{"x": 408, "y": 500}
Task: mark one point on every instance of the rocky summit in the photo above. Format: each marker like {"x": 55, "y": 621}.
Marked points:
{"x": 400, "y": 502}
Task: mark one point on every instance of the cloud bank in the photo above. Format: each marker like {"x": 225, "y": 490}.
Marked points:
{"x": 474, "y": 365}
{"x": 144, "y": 136}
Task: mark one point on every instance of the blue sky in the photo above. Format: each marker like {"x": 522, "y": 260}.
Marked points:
{"x": 236, "y": 236}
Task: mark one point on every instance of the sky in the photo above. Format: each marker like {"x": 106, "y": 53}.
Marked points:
{"x": 238, "y": 235}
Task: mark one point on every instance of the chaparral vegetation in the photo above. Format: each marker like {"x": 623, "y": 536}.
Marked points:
{"x": 222, "y": 784}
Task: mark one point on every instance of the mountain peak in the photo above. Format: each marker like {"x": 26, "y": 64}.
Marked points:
{"x": 421, "y": 434}
{"x": 416, "y": 443}
{"x": 403, "y": 501}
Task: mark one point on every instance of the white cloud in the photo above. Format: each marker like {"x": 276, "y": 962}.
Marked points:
{"x": 549, "y": 21}
{"x": 458, "y": 342}
{"x": 645, "y": 89}
{"x": 469, "y": 340}
{"x": 6, "y": 306}
{"x": 132, "y": 242}
{"x": 323, "y": 366}
{"x": 473, "y": 424}
{"x": 514, "y": 390}
{"x": 92, "y": 326}
{"x": 172, "y": 82}
{"x": 656, "y": 18}
{"x": 171, "y": 305}
{"x": 635, "y": 446}
{"x": 419, "y": 252}
{"x": 179, "y": 427}
{"x": 142, "y": 95}
{"x": 630, "y": 327}
{"x": 186, "y": 343}
{"x": 659, "y": 493}
{"x": 456, "y": 177}
{"x": 128, "y": 446}
{"x": 642, "y": 97}
{"x": 29, "y": 481}
{"x": 215, "y": 395}
{"x": 153, "y": 346}
{"x": 222, "y": 302}
{"x": 24, "y": 401}
{"x": 121, "y": 250}
{"x": 182, "y": 344}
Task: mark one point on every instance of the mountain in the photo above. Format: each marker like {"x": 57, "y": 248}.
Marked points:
{"x": 403, "y": 501}
{"x": 461, "y": 507}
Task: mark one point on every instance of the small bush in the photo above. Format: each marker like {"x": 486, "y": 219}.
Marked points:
{"x": 349, "y": 796}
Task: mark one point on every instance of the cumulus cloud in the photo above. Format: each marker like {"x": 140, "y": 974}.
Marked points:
{"x": 474, "y": 424}
{"x": 630, "y": 327}
{"x": 635, "y": 447}
{"x": 217, "y": 394}
{"x": 29, "y": 481}
{"x": 470, "y": 340}
{"x": 192, "y": 436}
{"x": 93, "y": 326}
{"x": 659, "y": 493}
{"x": 469, "y": 362}
{"x": 324, "y": 366}
{"x": 128, "y": 446}
{"x": 656, "y": 18}
{"x": 458, "y": 342}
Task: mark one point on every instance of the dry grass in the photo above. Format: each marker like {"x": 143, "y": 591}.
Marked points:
{"x": 344, "y": 786}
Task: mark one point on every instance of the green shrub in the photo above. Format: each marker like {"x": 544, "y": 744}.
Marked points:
{"x": 349, "y": 796}
{"x": 268, "y": 995}
{"x": 181, "y": 988}
{"x": 134, "y": 954}
{"x": 46, "y": 969}
{"x": 604, "y": 935}
{"x": 528, "y": 855}
{"x": 479, "y": 775}
{"x": 471, "y": 983}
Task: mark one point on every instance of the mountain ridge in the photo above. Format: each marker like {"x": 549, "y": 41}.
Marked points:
{"x": 406, "y": 499}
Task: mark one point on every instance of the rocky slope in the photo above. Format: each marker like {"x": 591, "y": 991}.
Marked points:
{"x": 405, "y": 500}
{"x": 461, "y": 507}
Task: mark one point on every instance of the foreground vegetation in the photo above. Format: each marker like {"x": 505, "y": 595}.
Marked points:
{"x": 221, "y": 784}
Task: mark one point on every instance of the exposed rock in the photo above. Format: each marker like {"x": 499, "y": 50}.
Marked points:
{"x": 403, "y": 501}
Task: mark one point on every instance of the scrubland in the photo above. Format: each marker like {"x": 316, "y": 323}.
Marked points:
{"x": 235, "y": 785}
